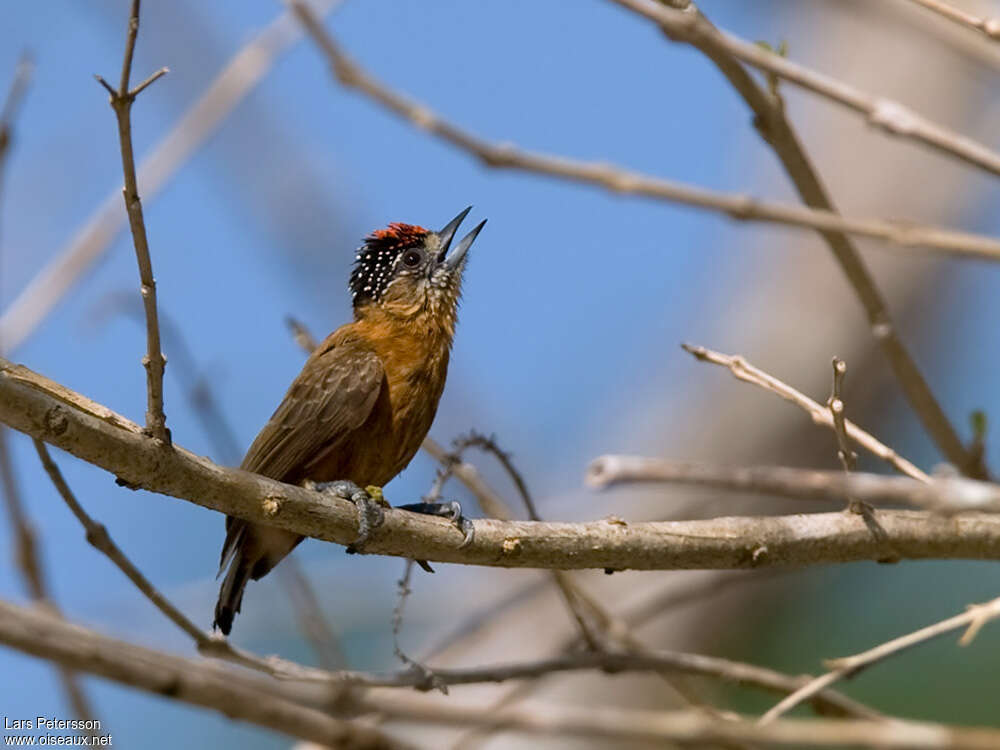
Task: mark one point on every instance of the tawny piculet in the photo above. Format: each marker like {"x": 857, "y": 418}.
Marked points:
{"x": 366, "y": 397}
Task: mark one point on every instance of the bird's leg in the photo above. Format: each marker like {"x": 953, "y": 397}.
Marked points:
{"x": 369, "y": 502}
{"x": 451, "y": 510}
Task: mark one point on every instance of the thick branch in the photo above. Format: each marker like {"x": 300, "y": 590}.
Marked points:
{"x": 237, "y": 695}
{"x": 52, "y": 413}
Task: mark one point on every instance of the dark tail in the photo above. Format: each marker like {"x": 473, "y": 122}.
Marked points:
{"x": 250, "y": 551}
{"x": 234, "y": 554}
{"x": 231, "y": 593}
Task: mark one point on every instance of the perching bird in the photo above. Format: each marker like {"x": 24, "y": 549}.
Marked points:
{"x": 366, "y": 397}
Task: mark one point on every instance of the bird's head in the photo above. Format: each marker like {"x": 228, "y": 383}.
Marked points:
{"x": 405, "y": 270}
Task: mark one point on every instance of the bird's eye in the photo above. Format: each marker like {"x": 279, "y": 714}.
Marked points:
{"x": 412, "y": 258}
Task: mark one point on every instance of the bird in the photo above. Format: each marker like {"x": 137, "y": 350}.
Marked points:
{"x": 364, "y": 401}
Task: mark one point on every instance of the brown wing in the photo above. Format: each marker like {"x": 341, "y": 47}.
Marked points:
{"x": 332, "y": 396}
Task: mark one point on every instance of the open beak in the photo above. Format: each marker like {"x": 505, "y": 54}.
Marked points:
{"x": 451, "y": 260}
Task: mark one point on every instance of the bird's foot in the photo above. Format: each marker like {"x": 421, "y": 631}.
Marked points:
{"x": 368, "y": 500}
{"x": 450, "y": 510}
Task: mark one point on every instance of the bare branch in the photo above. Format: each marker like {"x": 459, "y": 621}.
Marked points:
{"x": 427, "y": 678}
{"x": 773, "y": 126}
{"x": 613, "y": 662}
{"x": 573, "y": 596}
{"x": 688, "y": 727}
{"x": 972, "y": 620}
{"x": 121, "y": 103}
{"x": 619, "y": 180}
{"x": 233, "y": 83}
{"x": 692, "y": 27}
{"x": 746, "y": 372}
{"x": 312, "y": 622}
{"x": 286, "y": 707}
{"x": 235, "y": 694}
{"x": 489, "y": 500}
{"x": 946, "y": 495}
{"x": 989, "y": 27}
{"x": 848, "y": 458}
{"x": 29, "y": 564}
{"x": 50, "y": 412}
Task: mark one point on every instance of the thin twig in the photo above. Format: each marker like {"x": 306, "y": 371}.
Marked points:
{"x": 309, "y": 615}
{"x": 493, "y": 505}
{"x": 234, "y": 82}
{"x": 208, "y": 645}
{"x": 99, "y": 539}
{"x": 772, "y": 124}
{"x": 692, "y": 27}
{"x": 427, "y": 678}
{"x": 989, "y": 27}
{"x": 572, "y": 594}
{"x": 848, "y": 458}
{"x": 616, "y": 662}
{"x": 30, "y": 565}
{"x": 312, "y": 622}
{"x": 121, "y": 102}
{"x": 746, "y": 372}
{"x": 972, "y": 620}
{"x": 623, "y": 181}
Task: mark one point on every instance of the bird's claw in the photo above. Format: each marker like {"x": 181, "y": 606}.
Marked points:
{"x": 452, "y": 511}
{"x": 367, "y": 500}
